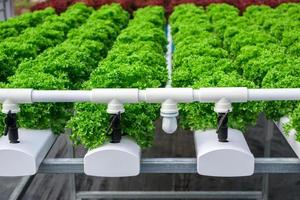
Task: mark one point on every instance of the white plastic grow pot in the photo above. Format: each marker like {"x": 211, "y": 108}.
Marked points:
{"x": 114, "y": 159}
{"x": 290, "y": 136}
{"x": 223, "y": 159}
{"x": 24, "y": 158}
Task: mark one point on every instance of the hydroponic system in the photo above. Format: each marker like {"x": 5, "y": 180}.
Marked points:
{"x": 108, "y": 71}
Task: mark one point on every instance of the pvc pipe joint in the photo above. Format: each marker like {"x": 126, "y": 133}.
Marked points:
{"x": 114, "y": 107}
{"x": 169, "y": 112}
{"x": 223, "y": 106}
{"x": 169, "y": 108}
{"x": 8, "y": 105}
{"x": 16, "y": 95}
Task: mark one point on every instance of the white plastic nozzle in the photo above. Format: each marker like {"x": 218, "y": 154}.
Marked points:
{"x": 169, "y": 112}
{"x": 223, "y": 106}
{"x": 169, "y": 125}
{"x": 10, "y": 106}
{"x": 114, "y": 107}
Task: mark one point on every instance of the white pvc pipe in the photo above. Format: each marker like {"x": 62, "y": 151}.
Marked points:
{"x": 273, "y": 94}
{"x": 231, "y": 94}
{"x": 123, "y": 95}
{"x": 61, "y": 95}
{"x": 159, "y": 95}
{"x": 150, "y": 95}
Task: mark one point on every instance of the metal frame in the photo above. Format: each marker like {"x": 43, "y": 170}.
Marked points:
{"x": 170, "y": 195}
{"x": 171, "y": 166}
{"x": 269, "y": 130}
{"x": 21, "y": 188}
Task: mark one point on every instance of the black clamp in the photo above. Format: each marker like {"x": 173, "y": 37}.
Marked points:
{"x": 115, "y": 129}
{"x": 11, "y": 127}
{"x": 222, "y": 129}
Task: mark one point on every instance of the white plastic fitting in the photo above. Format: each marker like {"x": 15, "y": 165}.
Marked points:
{"x": 169, "y": 124}
{"x": 8, "y": 105}
{"x": 223, "y": 106}
{"x": 10, "y": 99}
{"x": 169, "y": 112}
{"x": 114, "y": 159}
{"x": 232, "y": 94}
{"x": 16, "y": 95}
{"x": 223, "y": 159}
{"x": 114, "y": 107}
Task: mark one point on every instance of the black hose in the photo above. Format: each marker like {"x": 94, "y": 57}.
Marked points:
{"x": 115, "y": 129}
{"x": 11, "y": 127}
{"x": 222, "y": 129}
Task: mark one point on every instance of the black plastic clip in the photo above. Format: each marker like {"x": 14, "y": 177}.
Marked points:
{"x": 222, "y": 129}
{"x": 115, "y": 129}
{"x": 11, "y": 127}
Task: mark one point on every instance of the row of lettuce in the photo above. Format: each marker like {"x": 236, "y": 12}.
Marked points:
{"x": 16, "y": 25}
{"x": 34, "y": 40}
{"x": 135, "y": 61}
{"x": 101, "y": 53}
{"x": 257, "y": 50}
{"x": 214, "y": 47}
{"x": 67, "y": 66}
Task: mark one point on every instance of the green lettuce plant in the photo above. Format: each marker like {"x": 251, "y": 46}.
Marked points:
{"x": 205, "y": 62}
{"x": 35, "y": 40}
{"x": 135, "y": 61}
{"x": 67, "y": 66}
{"x": 15, "y": 26}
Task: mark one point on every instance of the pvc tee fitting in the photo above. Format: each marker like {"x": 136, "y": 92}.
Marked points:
{"x": 169, "y": 112}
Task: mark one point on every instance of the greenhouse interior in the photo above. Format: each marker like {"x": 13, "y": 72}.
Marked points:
{"x": 149, "y": 99}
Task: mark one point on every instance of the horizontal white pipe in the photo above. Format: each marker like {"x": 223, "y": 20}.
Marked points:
{"x": 232, "y": 94}
{"x": 61, "y": 95}
{"x": 123, "y": 95}
{"x": 273, "y": 94}
{"x": 150, "y": 95}
{"x": 159, "y": 95}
